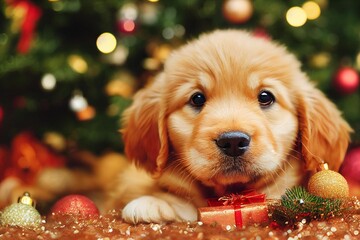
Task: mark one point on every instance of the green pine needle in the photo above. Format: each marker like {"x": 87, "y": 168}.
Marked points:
{"x": 297, "y": 204}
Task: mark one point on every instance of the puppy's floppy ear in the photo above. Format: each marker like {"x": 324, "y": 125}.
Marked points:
{"x": 324, "y": 134}
{"x": 144, "y": 129}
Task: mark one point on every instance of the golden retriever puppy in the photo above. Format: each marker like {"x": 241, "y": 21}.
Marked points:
{"x": 229, "y": 112}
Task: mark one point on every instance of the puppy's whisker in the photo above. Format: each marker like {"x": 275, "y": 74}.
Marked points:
{"x": 185, "y": 179}
{"x": 309, "y": 152}
{"x": 313, "y": 155}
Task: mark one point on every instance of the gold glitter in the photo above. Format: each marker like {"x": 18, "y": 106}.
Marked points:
{"x": 200, "y": 235}
{"x": 155, "y": 227}
{"x": 333, "y": 229}
{"x": 347, "y": 237}
{"x": 321, "y": 225}
{"x": 356, "y": 232}
{"x": 128, "y": 231}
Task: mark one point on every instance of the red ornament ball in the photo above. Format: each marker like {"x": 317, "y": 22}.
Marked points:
{"x": 261, "y": 33}
{"x": 347, "y": 80}
{"x": 350, "y": 168}
{"x": 76, "y": 205}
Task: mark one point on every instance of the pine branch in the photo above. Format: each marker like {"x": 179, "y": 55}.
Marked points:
{"x": 297, "y": 204}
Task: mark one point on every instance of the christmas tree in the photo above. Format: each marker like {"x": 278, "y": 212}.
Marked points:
{"x": 68, "y": 68}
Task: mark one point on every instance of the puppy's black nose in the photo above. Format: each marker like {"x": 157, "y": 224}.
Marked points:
{"x": 233, "y": 143}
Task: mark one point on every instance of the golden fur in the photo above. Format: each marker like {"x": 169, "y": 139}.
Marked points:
{"x": 173, "y": 143}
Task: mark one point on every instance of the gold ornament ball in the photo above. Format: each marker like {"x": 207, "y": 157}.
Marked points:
{"x": 237, "y": 11}
{"x": 21, "y": 215}
{"x": 328, "y": 184}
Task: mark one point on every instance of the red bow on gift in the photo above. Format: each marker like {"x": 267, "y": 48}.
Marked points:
{"x": 246, "y": 197}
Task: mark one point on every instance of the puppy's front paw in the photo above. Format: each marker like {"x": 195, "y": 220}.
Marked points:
{"x": 152, "y": 209}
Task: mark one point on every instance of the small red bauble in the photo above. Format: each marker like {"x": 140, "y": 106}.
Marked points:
{"x": 126, "y": 26}
{"x": 76, "y": 205}
{"x": 350, "y": 168}
{"x": 347, "y": 80}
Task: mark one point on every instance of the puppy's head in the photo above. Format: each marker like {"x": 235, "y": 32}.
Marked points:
{"x": 231, "y": 108}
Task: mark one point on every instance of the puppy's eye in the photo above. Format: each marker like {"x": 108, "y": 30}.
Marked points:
{"x": 197, "y": 100}
{"x": 266, "y": 98}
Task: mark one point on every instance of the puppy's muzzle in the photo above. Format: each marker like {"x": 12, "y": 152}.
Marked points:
{"x": 233, "y": 143}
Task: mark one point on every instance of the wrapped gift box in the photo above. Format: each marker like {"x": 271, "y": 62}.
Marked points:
{"x": 236, "y": 210}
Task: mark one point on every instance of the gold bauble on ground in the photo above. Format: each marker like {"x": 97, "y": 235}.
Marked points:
{"x": 328, "y": 184}
{"x": 21, "y": 215}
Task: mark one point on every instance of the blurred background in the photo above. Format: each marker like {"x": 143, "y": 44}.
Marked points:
{"x": 68, "y": 68}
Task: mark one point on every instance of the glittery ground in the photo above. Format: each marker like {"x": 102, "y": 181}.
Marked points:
{"x": 112, "y": 227}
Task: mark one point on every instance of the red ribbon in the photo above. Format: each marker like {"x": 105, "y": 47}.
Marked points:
{"x": 238, "y": 216}
{"x": 32, "y": 15}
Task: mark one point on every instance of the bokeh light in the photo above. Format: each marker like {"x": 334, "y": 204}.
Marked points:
{"x": 106, "y": 42}
{"x": 296, "y": 16}
{"x": 78, "y": 102}
{"x": 56, "y": 140}
{"x": 118, "y": 56}
{"x": 358, "y": 60}
{"x": 312, "y": 10}
{"x": 86, "y": 114}
{"x": 48, "y": 81}
{"x": 77, "y": 63}
{"x": 321, "y": 60}
{"x": 149, "y": 13}
{"x": 128, "y": 11}
{"x": 168, "y": 33}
